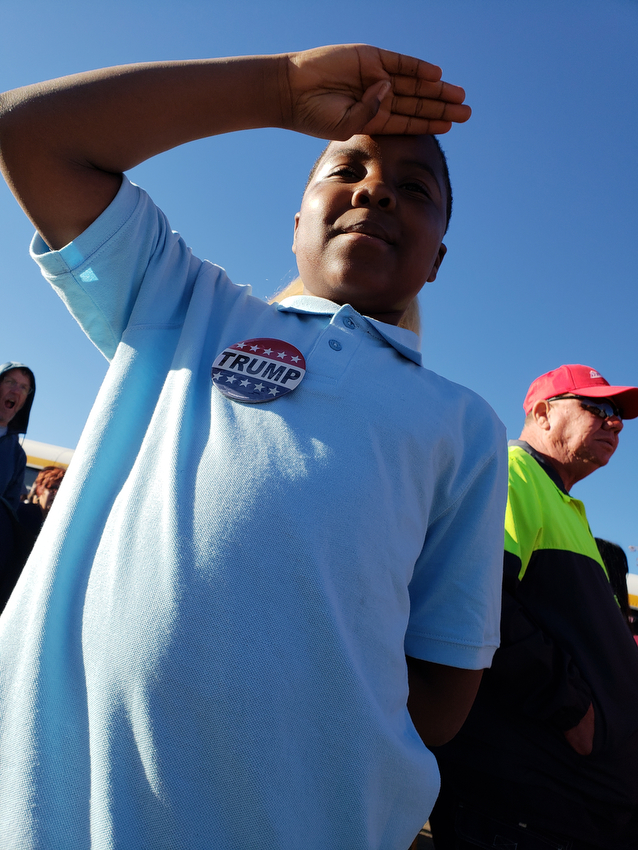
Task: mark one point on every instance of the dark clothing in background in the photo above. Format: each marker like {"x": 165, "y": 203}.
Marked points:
{"x": 30, "y": 517}
{"x": 564, "y": 645}
{"x": 13, "y": 463}
{"x": 16, "y": 542}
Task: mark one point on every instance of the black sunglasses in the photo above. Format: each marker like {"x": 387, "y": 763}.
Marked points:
{"x": 602, "y": 408}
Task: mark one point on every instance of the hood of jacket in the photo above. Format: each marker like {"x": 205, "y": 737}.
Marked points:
{"x": 20, "y": 421}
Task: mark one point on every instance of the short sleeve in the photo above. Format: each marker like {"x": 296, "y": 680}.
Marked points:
{"x": 456, "y": 589}
{"x": 128, "y": 250}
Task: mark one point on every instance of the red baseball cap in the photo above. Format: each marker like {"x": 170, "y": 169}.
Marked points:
{"x": 581, "y": 380}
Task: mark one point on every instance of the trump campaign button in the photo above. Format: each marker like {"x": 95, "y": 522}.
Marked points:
{"x": 258, "y": 370}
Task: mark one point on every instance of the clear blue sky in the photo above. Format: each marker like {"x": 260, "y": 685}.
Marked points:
{"x": 541, "y": 266}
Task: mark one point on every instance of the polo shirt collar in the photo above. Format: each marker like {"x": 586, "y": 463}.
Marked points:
{"x": 406, "y": 342}
{"x": 542, "y": 461}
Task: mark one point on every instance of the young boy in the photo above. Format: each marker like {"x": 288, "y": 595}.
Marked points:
{"x": 271, "y": 505}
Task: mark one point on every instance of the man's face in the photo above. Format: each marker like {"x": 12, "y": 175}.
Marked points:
{"x": 371, "y": 224}
{"x": 14, "y": 391}
{"x": 581, "y": 439}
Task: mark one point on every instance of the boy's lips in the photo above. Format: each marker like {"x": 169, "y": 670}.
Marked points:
{"x": 368, "y": 228}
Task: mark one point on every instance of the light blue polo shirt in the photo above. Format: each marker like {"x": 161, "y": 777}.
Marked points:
{"x": 206, "y": 649}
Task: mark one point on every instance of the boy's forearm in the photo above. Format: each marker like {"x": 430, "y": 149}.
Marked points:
{"x": 440, "y": 699}
{"x": 65, "y": 143}
{"x": 114, "y": 118}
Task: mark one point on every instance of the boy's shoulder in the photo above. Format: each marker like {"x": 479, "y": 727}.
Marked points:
{"x": 449, "y": 394}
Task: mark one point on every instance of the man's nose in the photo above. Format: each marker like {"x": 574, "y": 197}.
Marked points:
{"x": 614, "y": 423}
{"x": 374, "y": 192}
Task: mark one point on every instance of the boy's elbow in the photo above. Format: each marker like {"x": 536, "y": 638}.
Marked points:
{"x": 440, "y": 735}
{"x": 435, "y": 734}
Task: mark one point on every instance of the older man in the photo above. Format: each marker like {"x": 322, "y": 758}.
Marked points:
{"x": 547, "y": 757}
{"x": 17, "y": 389}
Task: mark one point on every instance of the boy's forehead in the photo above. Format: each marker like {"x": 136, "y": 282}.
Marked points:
{"x": 418, "y": 149}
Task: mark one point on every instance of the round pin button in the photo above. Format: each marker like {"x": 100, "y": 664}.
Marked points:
{"x": 258, "y": 370}
{"x": 335, "y": 345}
{"x": 349, "y": 323}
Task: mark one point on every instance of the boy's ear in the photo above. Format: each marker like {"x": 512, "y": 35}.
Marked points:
{"x": 294, "y": 236}
{"x": 437, "y": 263}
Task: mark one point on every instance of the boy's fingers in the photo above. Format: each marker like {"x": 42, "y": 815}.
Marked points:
{"x": 401, "y": 125}
{"x": 418, "y": 107}
{"x": 401, "y": 94}
{"x": 439, "y": 90}
{"x": 409, "y": 66}
{"x": 420, "y": 92}
{"x": 401, "y": 115}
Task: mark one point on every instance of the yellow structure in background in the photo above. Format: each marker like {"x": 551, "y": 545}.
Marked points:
{"x": 40, "y": 455}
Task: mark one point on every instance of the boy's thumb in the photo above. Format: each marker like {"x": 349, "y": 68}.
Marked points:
{"x": 362, "y": 112}
{"x": 374, "y": 95}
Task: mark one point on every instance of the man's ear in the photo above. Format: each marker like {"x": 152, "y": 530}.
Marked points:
{"x": 540, "y": 412}
{"x": 437, "y": 263}
{"x": 294, "y": 235}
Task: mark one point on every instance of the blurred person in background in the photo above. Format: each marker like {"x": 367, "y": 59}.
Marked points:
{"x": 25, "y": 525}
{"x": 35, "y": 509}
{"x": 17, "y": 391}
{"x": 615, "y": 562}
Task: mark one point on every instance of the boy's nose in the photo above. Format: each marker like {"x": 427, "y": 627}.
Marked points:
{"x": 373, "y": 193}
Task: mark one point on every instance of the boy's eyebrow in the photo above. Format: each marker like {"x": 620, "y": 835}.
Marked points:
{"x": 424, "y": 166}
{"x": 362, "y": 156}
{"x": 352, "y": 153}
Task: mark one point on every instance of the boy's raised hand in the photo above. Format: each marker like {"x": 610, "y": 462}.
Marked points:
{"x": 338, "y": 91}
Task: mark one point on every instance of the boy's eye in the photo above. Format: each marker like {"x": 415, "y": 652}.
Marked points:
{"x": 344, "y": 171}
{"x": 419, "y": 188}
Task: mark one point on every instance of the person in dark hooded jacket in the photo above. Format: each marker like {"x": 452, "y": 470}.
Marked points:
{"x": 17, "y": 389}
